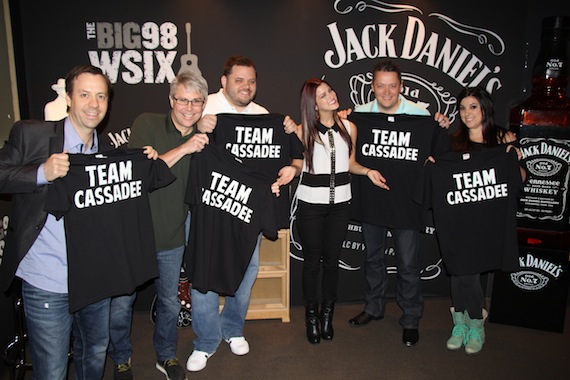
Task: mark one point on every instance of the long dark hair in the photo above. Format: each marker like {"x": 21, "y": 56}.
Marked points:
{"x": 310, "y": 120}
{"x": 460, "y": 141}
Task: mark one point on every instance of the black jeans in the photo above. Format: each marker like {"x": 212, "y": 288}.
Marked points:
{"x": 467, "y": 294}
{"x": 408, "y": 282}
{"x": 322, "y": 229}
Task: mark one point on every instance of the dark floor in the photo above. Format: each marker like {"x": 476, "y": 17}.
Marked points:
{"x": 281, "y": 351}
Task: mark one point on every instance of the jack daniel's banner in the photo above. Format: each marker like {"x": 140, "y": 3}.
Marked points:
{"x": 546, "y": 158}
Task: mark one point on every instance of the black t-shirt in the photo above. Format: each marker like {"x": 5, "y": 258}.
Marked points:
{"x": 474, "y": 200}
{"x": 230, "y": 204}
{"x": 261, "y": 142}
{"x": 108, "y": 226}
{"x": 397, "y": 146}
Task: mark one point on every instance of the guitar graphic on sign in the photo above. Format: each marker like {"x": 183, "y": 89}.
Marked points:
{"x": 189, "y": 61}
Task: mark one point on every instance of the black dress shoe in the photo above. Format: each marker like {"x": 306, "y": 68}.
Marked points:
{"x": 410, "y": 337}
{"x": 363, "y": 318}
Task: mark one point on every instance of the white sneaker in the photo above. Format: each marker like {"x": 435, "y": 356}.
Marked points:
{"x": 238, "y": 345}
{"x": 197, "y": 361}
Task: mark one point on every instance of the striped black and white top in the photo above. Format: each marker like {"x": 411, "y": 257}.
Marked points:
{"x": 330, "y": 181}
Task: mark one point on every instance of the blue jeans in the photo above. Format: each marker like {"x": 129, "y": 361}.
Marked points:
{"x": 50, "y": 326}
{"x": 165, "y": 335}
{"x": 208, "y": 324}
{"x": 408, "y": 283}
{"x": 120, "y": 349}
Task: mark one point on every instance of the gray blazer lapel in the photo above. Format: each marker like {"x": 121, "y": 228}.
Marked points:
{"x": 56, "y": 141}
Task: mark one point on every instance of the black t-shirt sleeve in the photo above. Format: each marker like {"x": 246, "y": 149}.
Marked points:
{"x": 441, "y": 141}
{"x": 160, "y": 175}
{"x": 57, "y": 202}
{"x": 191, "y": 196}
{"x": 296, "y": 147}
{"x": 269, "y": 218}
{"x": 422, "y": 193}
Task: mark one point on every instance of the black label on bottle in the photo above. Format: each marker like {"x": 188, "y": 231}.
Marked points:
{"x": 545, "y": 193}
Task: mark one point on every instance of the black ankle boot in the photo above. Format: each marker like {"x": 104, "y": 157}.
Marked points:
{"x": 327, "y": 310}
{"x": 312, "y": 321}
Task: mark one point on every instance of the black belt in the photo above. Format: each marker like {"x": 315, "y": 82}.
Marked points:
{"x": 324, "y": 180}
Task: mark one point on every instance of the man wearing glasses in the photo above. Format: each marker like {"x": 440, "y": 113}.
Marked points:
{"x": 175, "y": 138}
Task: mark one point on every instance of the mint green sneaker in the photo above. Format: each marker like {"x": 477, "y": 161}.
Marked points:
{"x": 475, "y": 337}
{"x": 459, "y": 331}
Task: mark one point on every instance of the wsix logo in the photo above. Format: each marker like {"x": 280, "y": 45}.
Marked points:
{"x": 135, "y": 53}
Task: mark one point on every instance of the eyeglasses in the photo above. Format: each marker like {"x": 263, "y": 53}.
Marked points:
{"x": 184, "y": 101}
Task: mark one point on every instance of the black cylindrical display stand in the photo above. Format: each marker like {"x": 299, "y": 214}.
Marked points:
{"x": 535, "y": 296}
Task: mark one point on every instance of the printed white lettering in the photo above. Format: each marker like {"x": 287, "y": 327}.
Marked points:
{"x": 228, "y": 195}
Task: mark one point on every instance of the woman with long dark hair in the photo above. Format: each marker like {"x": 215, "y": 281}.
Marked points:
{"x": 324, "y": 198}
{"x": 477, "y": 130}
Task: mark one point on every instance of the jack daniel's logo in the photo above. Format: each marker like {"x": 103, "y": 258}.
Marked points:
{"x": 545, "y": 192}
{"x": 543, "y": 167}
{"x": 536, "y": 273}
{"x": 539, "y": 147}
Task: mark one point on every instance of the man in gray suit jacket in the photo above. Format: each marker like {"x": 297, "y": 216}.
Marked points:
{"x": 36, "y": 154}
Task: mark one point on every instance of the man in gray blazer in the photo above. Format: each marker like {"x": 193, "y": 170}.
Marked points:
{"x": 36, "y": 154}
